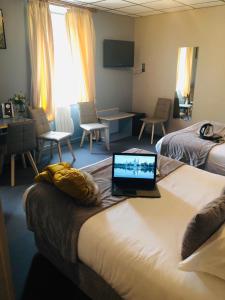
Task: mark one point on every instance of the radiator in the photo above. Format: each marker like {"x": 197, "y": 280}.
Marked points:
{"x": 63, "y": 120}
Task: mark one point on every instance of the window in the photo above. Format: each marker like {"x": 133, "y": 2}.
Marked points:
{"x": 68, "y": 85}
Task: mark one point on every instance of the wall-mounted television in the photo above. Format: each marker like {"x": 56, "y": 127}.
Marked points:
{"x": 118, "y": 54}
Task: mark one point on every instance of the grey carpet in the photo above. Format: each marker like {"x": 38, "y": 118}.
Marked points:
{"x": 21, "y": 243}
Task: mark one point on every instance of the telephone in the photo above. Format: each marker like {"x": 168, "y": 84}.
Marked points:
{"x": 206, "y": 132}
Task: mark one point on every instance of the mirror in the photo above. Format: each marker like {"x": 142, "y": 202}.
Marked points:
{"x": 2, "y": 32}
{"x": 185, "y": 82}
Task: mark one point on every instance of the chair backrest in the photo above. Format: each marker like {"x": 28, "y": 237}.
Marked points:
{"x": 41, "y": 121}
{"x": 21, "y": 137}
{"x": 63, "y": 120}
{"x": 87, "y": 112}
{"x": 3, "y": 143}
{"x": 162, "y": 110}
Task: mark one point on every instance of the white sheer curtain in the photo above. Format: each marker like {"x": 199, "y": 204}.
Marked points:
{"x": 74, "y": 74}
{"x": 81, "y": 34}
{"x": 74, "y": 44}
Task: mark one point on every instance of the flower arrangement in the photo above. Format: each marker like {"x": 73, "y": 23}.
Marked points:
{"x": 18, "y": 99}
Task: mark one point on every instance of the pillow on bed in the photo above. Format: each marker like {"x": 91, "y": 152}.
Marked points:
{"x": 209, "y": 258}
{"x": 205, "y": 223}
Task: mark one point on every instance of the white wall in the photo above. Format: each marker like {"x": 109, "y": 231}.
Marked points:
{"x": 157, "y": 41}
{"x": 113, "y": 86}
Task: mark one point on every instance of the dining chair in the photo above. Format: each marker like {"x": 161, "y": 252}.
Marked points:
{"x": 160, "y": 116}
{"x": 90, "y": 124}
{"x": 44, "y": 134}
{"x": 21, "y": 139}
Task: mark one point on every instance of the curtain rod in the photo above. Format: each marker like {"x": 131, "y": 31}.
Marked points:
{"x": 70, "y": 3}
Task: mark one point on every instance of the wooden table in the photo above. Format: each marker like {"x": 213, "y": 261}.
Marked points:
{"x": 112, "y": 118}
{"x": 5, "y": 122}
{"x": 116, "y": 117}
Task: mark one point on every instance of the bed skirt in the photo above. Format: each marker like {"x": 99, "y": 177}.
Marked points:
{"x": 81, "y": 275}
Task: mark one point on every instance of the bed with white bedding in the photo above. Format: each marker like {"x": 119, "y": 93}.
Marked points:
{"x": 135, "y": 246}
{"x": 215, "y": 161}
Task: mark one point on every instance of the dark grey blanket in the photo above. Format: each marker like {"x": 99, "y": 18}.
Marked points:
{"x": 185, "y": 145}
{"x": 53, "y": 216}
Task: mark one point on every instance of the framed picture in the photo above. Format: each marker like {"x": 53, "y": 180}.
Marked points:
{"x": 7, "y": 110}
{"x": 2, "y": 32}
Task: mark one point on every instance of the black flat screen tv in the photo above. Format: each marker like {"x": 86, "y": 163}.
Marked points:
{"x": 118, "y": 54}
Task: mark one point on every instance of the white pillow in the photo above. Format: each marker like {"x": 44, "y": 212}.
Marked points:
{"x": 209, "y": 258}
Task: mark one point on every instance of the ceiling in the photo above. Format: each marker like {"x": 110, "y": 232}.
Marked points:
{"x": 140, "y": 8}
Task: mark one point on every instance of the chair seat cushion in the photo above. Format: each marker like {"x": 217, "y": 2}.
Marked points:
{"x": 56, "y": 136}
{"x": 153, "y": 120}
{"x": 93, "y": 126}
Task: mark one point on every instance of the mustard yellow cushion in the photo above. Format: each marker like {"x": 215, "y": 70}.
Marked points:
{"x": 73, "y": 182}
{"x": 49, "y": 171}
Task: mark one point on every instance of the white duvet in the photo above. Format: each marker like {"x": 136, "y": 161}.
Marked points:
{"x": 215, "y": 162}
{"x": 135, "y": 245}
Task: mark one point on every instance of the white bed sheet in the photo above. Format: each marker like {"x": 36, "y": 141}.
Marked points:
{"x": 135, "y": 245}
{"x": 216, "y": 159}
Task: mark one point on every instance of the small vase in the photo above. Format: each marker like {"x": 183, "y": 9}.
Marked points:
{"x": 20, "y": 110}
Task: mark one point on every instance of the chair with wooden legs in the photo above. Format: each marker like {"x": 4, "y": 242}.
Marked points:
{"x": 3, "y": 152}
{"x": 160, "y": 116}
{"x": 44, "y": 134}
{"x": 21, "y": 139}
{"x": 90, "y": 124}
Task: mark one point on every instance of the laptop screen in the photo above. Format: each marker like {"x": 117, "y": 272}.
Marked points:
{"x": 134, "y": 166}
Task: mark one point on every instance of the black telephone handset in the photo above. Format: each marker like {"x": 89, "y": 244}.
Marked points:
{"x": 206, "y": 131}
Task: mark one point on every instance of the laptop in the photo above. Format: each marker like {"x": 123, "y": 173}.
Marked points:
{"x": 134, "y": 175}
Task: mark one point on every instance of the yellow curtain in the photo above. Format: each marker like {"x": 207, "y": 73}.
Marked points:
{"x": 188, "y": 70}
{"x": 81, "y": 37}
{"x": 184, "y": 71}
{"x": 41, "y": 54}
{"x": 179, "y": 69}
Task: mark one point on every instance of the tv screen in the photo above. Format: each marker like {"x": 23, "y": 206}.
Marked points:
{"x": 117, "y": 54}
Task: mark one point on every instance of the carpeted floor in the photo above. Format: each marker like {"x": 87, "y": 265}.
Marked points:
{"x": 33, "y": 276}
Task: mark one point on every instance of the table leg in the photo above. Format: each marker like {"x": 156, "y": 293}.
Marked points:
{"x": 59, "y": 151}
{"x": 152, "y": 137}
{"x": 91, "y": 141}
{"x": 12, "y": 170}
{"x": 107, "y": 138}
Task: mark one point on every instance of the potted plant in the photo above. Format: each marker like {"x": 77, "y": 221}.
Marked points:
{"x": 19, "y": 101}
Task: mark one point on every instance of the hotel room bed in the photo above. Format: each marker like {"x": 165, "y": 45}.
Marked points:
{"x": 215, "y": 161}
{"x": 132, "y": 250}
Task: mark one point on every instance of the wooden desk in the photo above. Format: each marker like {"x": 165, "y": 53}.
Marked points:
{"x": 113, "y": 121}
{"x": 116, "y": 117}
{"x": 4, "y": 122}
